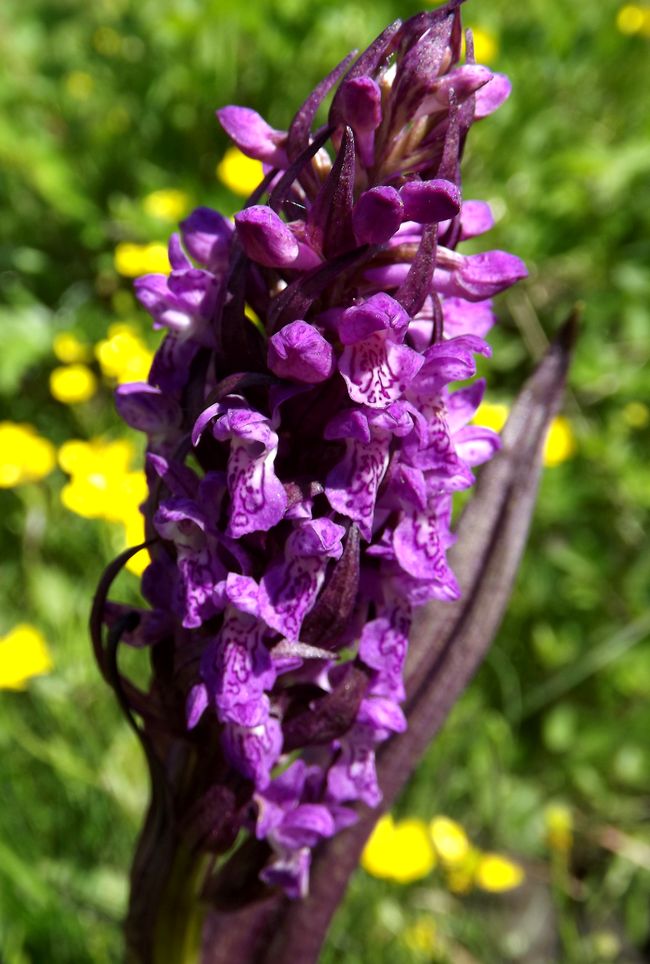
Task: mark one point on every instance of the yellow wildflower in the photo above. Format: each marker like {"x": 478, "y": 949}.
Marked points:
{"x": 133, "y": 536}
{"x": 72, "y": 384}
{"x": 560, "y": 443}
{"x": 558, "y": 820}
{"x": 132, "y": 260}
{"x": 399, "y": 851}
{"x": 68, "y": 348}
{"x": 492, "y": 415}
{"x": 421, "y": 936}
{"x": 166, "y": 205}
{"x": 101, "y": 485}
{"x": 486, "y": 46}
{"x": 631, "y": 18}
{"x": 124, "y": 355}
{"x": 23, "y": 655}
{"x": 239, "y": 173}
{"x": 496, "y": 873}
{"x": 449, "y": 840}
{"x": 560, "y": 440}
{"x": 24, "y": 455}
{"x": 636, "y": 414}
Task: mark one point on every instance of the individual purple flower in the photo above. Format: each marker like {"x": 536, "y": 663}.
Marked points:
{"x": 382, "y": 647}
{"x": 266, "y": 238}
{"x": 352, "y": 485}
{"x": 478, "y": 276}
{"x": 377, "y": 215}
{"x": 299, "y": 352}
{"x": 258, "y": 498}
{"x": 353, "y": 775}
{"x": 207, "y": 236}
{"x": 150, "y": 410}
{"x": 376, "y": 366}
{"x": 427, "y": 202}
{"x": 492, "y": 96}
{"x": 253, "y": 136}
{"x": 253, "y": 751}
{"x": 199, "y": 577}
{"x": 293, "y": 826}
{"x": 289, "y": 588}
{"x": 475, "y": 218}
{"x": 237, "y": 670}
{"x": 182, "y": 302}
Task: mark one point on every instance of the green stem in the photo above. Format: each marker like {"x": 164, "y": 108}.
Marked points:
{"x": 177, "y": 934}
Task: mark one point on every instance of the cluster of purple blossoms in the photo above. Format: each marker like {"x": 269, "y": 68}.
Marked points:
{"x": 301, "y": 467}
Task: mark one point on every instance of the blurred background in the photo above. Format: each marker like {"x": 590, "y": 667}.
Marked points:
{"x": 524, "y": 836}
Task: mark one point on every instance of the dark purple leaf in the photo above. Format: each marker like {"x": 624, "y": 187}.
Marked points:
{"x": 329, "y": 225}
{"x": 329, "y": 617}
{"x": 298, "y": 297}
{"x": 329, "y": 717}
{"x": 280, "y": 193}
{"x": 413, "y": 292}
{"x": 366, "y": 64}
{"x": 298, "y": 137}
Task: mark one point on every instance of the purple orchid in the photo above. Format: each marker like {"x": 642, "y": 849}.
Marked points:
{"x": 291, "y": 553}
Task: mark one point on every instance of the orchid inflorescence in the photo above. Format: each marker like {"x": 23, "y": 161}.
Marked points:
{"x": 301, "y": 465}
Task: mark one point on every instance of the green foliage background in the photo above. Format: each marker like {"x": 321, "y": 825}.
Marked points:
{"x": 559, "y": 711}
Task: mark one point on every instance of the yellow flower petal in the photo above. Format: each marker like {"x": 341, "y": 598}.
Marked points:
{"x": 133, "y": 536}
{"x": 376, "y": 855}
{"x": 558, "y": 820}
{"x": 630, "y": 19}
{"x": 486, "y": 46}
{"x": 399, "y": 851}
{"x": 72, "y": 384}
{"x": 23, "y": 655}
{"x": 77, "y": 456}
{"x": 449, "y": 839}
{"x": 101, "y": 485}
{"x": 491, "y": 415}
{"x": 68, "y": 348}
{"x": 123, "y": 355}
{"x": 132, "y": 260}
{"x": 24, "y": 455}
{"x": 496, "y": 873}
{"x": 239, "y": 173}
{"x": 166, "y": 205}
{"x": 560, "y": 442}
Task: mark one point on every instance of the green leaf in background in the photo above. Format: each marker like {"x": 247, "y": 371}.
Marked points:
{"x": 25, "y": 339}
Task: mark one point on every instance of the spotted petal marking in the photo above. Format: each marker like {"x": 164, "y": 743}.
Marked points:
{"x": 353, "y": 776}
{"x": 237, "y": 670}
{"x": 351, "y": 486}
